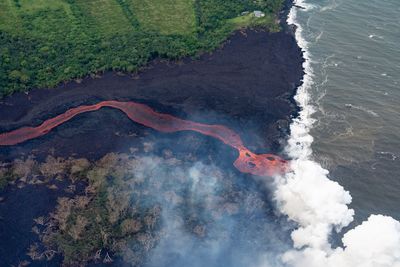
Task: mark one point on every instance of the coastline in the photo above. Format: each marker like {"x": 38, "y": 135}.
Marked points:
{"x": 248, "y": 84}
{"x": 326, "y": 233}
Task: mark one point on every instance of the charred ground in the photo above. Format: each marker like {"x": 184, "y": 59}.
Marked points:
{"x": 247, "y": 85}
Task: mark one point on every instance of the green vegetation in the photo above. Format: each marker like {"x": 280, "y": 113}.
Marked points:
{"x": 115, "y": 208}
{"x": 249, "y": 20}
{"x": 6, "y": 177}
{"x": 165, "y": 16}
{"x": 84, "y": 227}
{"x": 123, "y": 205}
{"x": 44, "y": 42}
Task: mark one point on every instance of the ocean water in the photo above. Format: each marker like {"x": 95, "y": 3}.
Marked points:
{"x": 344, "y": 190}
{"x": 354, "y": 49}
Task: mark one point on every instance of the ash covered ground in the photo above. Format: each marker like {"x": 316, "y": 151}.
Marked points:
{"x": 100, "y": 189}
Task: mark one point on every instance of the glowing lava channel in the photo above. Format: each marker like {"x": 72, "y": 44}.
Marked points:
{"x": 247, "y": 162}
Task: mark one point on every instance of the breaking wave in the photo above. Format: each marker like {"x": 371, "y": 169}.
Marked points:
{"x": 319, "y": 205}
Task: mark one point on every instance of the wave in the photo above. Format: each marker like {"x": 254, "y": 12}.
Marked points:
{"x": 319, "y": 205}
{"x": 366, "y": 110}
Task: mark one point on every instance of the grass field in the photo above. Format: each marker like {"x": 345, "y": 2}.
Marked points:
{"x": 103, "y": 17}
{"x": 44, "y": 42}
{"x": 165, "y": 16}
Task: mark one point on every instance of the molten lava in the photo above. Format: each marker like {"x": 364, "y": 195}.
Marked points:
{"x": 247, "y": 162}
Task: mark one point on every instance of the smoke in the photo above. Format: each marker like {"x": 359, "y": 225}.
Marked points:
{"x": 319, "y": 205}
{"x": 208, "y": 216}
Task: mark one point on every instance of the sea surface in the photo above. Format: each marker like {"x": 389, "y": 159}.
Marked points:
{"x": 354, "y": 52}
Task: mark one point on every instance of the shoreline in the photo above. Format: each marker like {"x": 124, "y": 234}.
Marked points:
{"x": 248, "y": 85}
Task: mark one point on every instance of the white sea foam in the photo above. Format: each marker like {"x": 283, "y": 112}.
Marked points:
{"x": 372, "y": 36}
{"x": 319, "y": 36}
{"x": 319, "y": 205}
{"x": 392, "y": 155}
{"x": 369, "y": 111}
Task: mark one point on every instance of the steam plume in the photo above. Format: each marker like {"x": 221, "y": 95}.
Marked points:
{"x": 319, "y": 205}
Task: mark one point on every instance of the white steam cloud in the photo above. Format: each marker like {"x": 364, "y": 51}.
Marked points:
{"x": 204, "y": 217}
{"x": 374, "y": 243}
{"x": 319, "y": 205}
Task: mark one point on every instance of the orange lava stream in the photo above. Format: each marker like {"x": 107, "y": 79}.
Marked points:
{"x": 247, "y": 162}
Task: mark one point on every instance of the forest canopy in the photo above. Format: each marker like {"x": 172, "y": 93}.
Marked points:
{"x": 45, "y": 42}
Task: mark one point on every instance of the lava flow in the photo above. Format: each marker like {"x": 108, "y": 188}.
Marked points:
{"x": 247, "y": 162}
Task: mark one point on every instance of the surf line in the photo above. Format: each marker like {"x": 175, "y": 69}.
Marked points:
{"x": 247, "y": 161}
